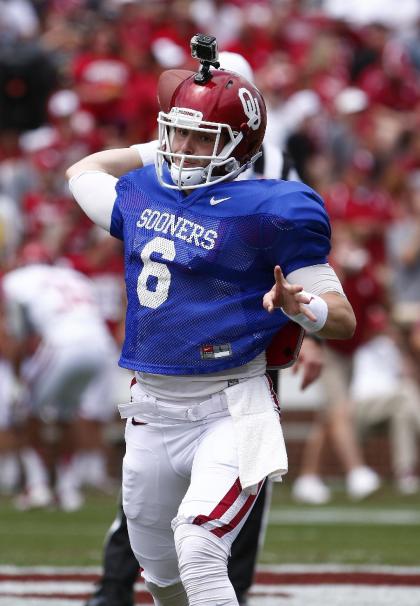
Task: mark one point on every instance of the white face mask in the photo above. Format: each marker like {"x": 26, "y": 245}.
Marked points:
{"x": 221, "y": 166}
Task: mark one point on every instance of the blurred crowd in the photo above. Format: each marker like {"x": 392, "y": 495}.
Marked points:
{"x": 341, "y": 79}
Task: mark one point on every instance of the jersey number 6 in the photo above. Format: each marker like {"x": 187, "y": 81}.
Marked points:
{"x": 159, "y": 294}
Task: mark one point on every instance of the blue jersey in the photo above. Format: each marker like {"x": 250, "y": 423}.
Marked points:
{"x": 197, "y": 267}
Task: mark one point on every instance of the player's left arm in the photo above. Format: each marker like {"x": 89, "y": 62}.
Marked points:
{"x": 341, "y": 321}
{"x": 306, "y": 288}
{"x": 329, "y": 315}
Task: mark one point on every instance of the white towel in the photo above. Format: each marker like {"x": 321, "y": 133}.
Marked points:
{"x": 258, "y": 433}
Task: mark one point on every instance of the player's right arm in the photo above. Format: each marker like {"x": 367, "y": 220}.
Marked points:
{"x": 115, "y": 162}
{"x": 92, "y": 180}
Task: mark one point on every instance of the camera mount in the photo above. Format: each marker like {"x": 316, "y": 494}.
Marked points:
{"x": 204, "y": 48}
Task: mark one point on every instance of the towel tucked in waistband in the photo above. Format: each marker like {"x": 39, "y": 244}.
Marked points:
{"x": 258, "y": 433}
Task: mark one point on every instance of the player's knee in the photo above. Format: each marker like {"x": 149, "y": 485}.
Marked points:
{"x": 197, "y": 547}
{"x": 173, "y": 595}
{"x": 202, "y": 561}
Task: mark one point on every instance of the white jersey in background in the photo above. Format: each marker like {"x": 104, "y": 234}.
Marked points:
{"x": 56, "y": 303}
{"x": 70, "y": 370}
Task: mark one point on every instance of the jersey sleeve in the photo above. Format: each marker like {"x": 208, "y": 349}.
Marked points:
{"x": 129, "y": 188}
{"x": 116, "y": 229}
{"x": 94, "y": 191}
{"x": 117, "y": 219}
{"x": 304, "y": 234}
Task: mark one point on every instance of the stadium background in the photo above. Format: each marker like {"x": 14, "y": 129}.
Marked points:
{"x": 341, "y": 80}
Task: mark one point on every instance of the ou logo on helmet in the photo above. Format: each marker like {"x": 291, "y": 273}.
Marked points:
{"x": 251, "y": 108}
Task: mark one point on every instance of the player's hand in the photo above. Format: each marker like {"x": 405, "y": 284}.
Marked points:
{"x": 310, "y": 361}
{"x": 287, "y": 296}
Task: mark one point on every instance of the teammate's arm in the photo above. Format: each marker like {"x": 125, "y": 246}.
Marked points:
{"x": 310, "y": 360}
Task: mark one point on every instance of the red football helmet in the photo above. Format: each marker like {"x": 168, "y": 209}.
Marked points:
{"x": 226, "y": 105}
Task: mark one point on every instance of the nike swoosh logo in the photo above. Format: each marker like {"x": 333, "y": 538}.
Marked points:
{"x": 135, "y": 422}
{"x": 214, "y": 201}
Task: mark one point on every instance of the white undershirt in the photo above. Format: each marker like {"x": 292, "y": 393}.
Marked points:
{"x": 94, "y": 191}
{"x": 96, "y": 195}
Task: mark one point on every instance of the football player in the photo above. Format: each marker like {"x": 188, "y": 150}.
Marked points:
{"x": 203, "y": 432}
{"x": 120, "y": 567}
{"x": 63, "y": 351}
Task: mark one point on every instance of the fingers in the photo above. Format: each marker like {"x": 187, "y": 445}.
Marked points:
{"x": 268, "y": 302}
{"x": 303, "y": 309}
{"x": 311, "y": 372}
{"x": 307, "y": 312}
{"x": 295, "y": 289}
{"x": 288, "y": 296}
{"x": 278, "y": 276}
{"x": 273, "y": 298}
{"x": 303, "y": 298}
{"x": 310, "y": 369}
{"x": 306, "y": 381}
{"x": 282, "y": 283}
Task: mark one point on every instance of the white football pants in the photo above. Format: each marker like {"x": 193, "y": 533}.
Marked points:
{"x": 181, "y": 471}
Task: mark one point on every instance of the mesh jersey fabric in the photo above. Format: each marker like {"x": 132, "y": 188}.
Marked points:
{"x": 197, "y": 267}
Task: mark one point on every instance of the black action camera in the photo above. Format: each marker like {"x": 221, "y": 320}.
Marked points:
{"x": 204, "y": 48}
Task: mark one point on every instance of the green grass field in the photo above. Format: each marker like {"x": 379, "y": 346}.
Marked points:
{"x": 381, "y": 530}
{"x": 340, "y": 542}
